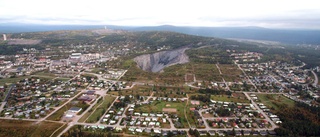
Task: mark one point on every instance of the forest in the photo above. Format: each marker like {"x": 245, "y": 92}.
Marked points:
{"x": 302, "y": 120}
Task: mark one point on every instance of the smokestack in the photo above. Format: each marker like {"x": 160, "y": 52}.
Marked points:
{"x": 105, "y": 27}
{"x": 4, "y": 37}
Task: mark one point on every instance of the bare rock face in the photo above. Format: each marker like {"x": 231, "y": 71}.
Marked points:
{"x": 157, "y": 61}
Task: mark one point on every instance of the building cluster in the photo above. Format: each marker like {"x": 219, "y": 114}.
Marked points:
{"x": 281, "y": 77}
{"x": 243, "y": 57}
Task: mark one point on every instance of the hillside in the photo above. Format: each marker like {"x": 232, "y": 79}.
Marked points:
{"x": 157, "y": 61}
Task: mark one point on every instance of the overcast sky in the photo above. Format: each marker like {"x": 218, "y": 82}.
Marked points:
{"x": 262, "y": 13}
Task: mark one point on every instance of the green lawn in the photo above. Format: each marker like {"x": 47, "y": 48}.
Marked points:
{"x": 97, "y": 114}
{"x": 226, "y": 98}
{"x": 62, "y": 79}
{"x": 12, "y": 80}
{"x": 140, "y": 90}
{"x": 86, "y": 115}
{"x": 274, "y": 101}
{"x": 16, "y": 79}
{"x": 157, "y": 106}
{"x": 44, "y": 73}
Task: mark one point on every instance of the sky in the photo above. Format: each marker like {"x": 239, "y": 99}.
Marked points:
{"x": 210, "y": 13}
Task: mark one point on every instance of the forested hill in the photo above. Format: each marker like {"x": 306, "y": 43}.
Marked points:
{"x": 255, "y": 33}
{"x": 281, "y": 35}
{"x": 149, "y": 42}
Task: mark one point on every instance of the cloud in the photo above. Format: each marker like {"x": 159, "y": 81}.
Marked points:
{"x": 263, "y": 13}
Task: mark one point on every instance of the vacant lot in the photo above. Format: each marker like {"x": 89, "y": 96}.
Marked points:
{"x": 189, "y": 78}
{"x": 105, "y": 104}
{"x": 136, "y": 90}
{"x": 9, "y": 81}
{"x": 172, "y": 92}
{"x": 230, "y": 72}
{"x": 170, "y": 110}
{"x": 206, "y": 72}
{"x": 275, "y": 101}
{"x": 174, "y": 75}
{"x": 12, "y": 80}
{"x": 23, "y": 42}
{"x": 227, "y": 98}
{"x": 18, "y": 128}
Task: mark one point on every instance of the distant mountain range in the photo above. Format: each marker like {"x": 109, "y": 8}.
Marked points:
{"x": 288, "y": 36}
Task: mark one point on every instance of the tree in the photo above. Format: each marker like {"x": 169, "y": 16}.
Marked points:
{"x": 109, "y": 134}
{"x": 191, "y": 132}
{"x": 170, "y": 134}
{"x": 196, "y": 133}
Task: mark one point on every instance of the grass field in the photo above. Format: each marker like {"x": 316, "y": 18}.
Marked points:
{"x": 105, "y": 104}
{"x": 16, "y": 79}
{"x": 55, "y": 134}
{"x": 62, "y": 79}
{"x": 134, "y": 73}
{"x": 206, "y": 72}
{"x": 230, "y": 72}
{"x": 58, "y": 114}
{"x": 229, "y": 69}
{"x": 173, "y": 75}
{"x": 274, "y": 101}
{"x": 157, "y": 106}
{"x": 226, "y": 98}
{"x": 44, "y": 73}
{"x": 12, "y": 80}
{"x": 86, "y": 115}
{"x": 17, "y": 128}
{"x": 176, "y": 74}
{"x": 140, "y": 90}
{"x": 161, "y": 91}
{"x": 172, "y": 92}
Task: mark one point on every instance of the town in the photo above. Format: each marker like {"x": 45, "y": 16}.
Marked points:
{"x": 84, "y": 88}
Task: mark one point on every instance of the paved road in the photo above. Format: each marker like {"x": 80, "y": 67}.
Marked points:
{"x": 315, "y": 83}
{"x": 282, "y": 84}
{"x": 2, "y": 106}
{"x": 149, "y": 98}
{"x": 171, "y": 129}
{"x": 218, "y": 69}
{"x": 9, "y": 92}
{"x": 56, "y": 109}
{"x": 90, "y": 108}
{"x": 75, "y": 121}
{"x": 76, "y": 118}
{"x": 108, "y": 109}
{"x": 6, "y": 98}
{"x": 264, "y": 114}
{"x": 247, "y": 77}
{"x": 185, "y": 110}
